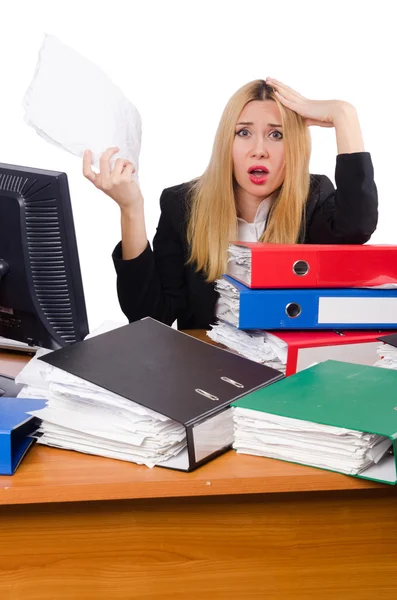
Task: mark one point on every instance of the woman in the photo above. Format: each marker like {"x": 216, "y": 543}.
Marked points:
{"x": 257, "y": 186}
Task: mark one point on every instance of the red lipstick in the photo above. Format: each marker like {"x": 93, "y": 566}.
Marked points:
{"x": 258, "y": 174}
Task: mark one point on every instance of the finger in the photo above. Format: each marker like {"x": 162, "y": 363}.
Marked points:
{"x": 298, "y": 100}
{"x": 104, "y": 162}
{"x": 288, "y": 92}
{"x": 87, "y": 166}
{"x": 119, "y": 165}
{"x": 298, "y": 108}
{"x": 286, "y": 102}
{"x": 283, "y": 86}
{"x": 128, "y": 172}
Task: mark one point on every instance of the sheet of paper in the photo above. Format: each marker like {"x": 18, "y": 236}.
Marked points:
{"x": 73, "y": 104}
{"x": 35, "y": 373}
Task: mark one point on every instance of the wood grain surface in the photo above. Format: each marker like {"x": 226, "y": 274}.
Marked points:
{"x": 322, "y": 546}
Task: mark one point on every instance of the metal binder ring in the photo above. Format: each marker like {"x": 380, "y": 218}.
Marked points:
{"x": 207, "y": 395}
{"x": 293, "y": 310}
{"x": 236, "y": 383}
{"x": 301, "y": 267}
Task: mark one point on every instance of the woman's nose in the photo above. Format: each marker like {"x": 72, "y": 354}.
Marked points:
{"x": 260, "y": 149}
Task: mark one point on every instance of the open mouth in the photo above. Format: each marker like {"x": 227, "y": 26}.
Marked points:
{"x": 258, "y": 174}
{"x": 258, "y": 171}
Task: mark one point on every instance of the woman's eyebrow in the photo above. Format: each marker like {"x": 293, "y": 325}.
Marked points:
{"x": 250, "y": 123}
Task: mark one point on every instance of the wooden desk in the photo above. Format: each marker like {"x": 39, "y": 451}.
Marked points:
{"x": 76, "y": 526}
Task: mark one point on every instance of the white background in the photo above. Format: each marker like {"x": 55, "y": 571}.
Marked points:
{"x": 179, "y": 62}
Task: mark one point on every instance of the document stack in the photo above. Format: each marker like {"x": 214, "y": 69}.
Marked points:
{"x": 143, "y": 393}
{"x": 334, "y": 415}
{"x": 85, "y": 417}
{"x": 292, "y": 351}
{"x": 321, "y": 296}
{"x": 387, "y": 352}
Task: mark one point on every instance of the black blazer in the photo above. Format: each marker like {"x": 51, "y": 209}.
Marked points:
{"x": 160, "y": 285}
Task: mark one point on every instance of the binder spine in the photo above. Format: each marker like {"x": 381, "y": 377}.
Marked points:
{"x": 210, "y": 437}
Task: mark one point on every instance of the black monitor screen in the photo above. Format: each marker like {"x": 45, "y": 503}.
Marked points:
{"x": 41, "y": 291}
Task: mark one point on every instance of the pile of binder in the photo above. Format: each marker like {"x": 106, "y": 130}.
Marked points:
{"x": 333, "y": 415}
{"x": 144, "y": 393}
{"x": 338, "y": 297}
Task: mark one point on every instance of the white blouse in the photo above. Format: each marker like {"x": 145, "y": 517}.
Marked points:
{"x": 251, "y": 232}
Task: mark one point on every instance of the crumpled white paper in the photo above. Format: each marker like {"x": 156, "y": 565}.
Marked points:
{"x": 387, "y": 356}
{"x": 73, "y": 104}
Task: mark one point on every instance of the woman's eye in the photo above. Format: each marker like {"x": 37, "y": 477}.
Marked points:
{"x": 276, "y": 135}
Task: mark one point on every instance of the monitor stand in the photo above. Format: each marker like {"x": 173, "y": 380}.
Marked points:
{"x": 5, "y": 343}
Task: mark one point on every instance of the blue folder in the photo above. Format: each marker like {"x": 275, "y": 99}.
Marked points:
{"x": 16, "y": 426}
{"x": 348, "y": 308}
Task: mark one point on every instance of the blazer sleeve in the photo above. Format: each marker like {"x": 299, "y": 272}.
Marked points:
{"x": 349, "y": 213}
{"x": 153, "y": 284}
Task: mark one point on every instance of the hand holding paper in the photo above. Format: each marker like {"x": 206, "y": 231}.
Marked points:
{"x": 118, "y": 183}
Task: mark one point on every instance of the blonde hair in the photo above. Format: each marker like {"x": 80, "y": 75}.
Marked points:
{"x": 213, "y": 218}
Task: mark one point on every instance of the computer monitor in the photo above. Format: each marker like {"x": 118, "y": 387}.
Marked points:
{"x": 41, "y": 290}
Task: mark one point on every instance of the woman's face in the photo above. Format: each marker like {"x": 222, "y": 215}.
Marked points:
{"x": 258, "y": 149}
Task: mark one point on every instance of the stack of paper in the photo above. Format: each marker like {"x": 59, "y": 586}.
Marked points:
{"x": 324, "y": 446}
{"x": 335, "y": 415}
{"x": 387, "y": 357}
{"x": 257, "y": 345}
{"x": 228, "y": 305}
{"x": 84, "y": 417}
{"x": 239, "y": 262}
{"x": 35, "y": 377}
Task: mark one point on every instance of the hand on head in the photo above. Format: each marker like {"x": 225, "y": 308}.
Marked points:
{"x": 315, "y": 112}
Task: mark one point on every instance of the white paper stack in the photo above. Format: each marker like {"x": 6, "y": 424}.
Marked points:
{"x": 35, "y": 377}
{"x": 323, "y": 446}
{"x": 257, "y": 345}
{"x": 228, "y": 304}
{"x": 84, "y": 417}
{"x": 387, "y": 357}
{"x": 239, "y": 262}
